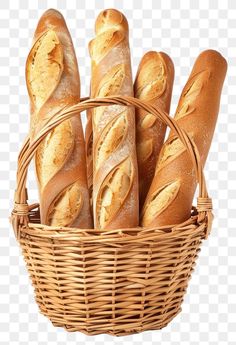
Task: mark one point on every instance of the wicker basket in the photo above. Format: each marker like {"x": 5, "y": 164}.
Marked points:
{"x": 119, "y": 282}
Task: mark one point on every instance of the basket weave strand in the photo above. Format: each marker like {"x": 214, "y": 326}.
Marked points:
{"x": 121, "y": 281}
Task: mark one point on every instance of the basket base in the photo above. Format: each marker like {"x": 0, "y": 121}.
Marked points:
{"x": 128, "y": 329}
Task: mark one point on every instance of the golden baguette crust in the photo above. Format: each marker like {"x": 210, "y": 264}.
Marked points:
{"x": 153, "y": 83}
{"x": 53, "y": 82}
{"x": 115, "y": 178}
{"x": 170, "y": 197}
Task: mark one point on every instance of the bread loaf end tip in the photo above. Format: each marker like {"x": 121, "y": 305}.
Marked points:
{"x": 111, "y": 18}
{"x": 51, "y": 12}
{"x": 213, "y": 56}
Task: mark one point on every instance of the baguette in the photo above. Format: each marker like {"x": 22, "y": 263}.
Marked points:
{"x": 170, "y": 197}
{"x": 153, "y": 83}
{"x": 53, "y": 82}
{"x": 115, "y": 179}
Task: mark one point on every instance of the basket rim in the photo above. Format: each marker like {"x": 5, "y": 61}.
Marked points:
{"x": 190, "y": 227}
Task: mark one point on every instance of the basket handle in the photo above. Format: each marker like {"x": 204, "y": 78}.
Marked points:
{"x": 21, "y": 209}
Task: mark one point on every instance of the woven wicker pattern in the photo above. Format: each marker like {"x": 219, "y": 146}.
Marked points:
{"x": 121, "y": 281}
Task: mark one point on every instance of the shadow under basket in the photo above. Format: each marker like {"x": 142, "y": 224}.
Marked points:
{"x": 117, "y": 282}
